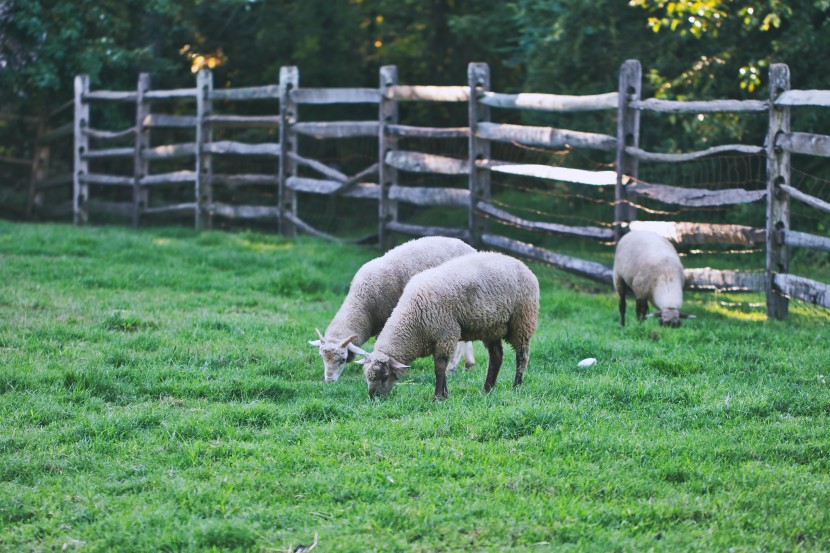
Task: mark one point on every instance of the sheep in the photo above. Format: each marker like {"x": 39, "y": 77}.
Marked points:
{"x": 483, "y": 296}
{"x": 373, "y": 294}
{"x": 648, "y": 265}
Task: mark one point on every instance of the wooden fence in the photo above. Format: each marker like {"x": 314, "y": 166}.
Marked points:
{"x": 380, "y": 182}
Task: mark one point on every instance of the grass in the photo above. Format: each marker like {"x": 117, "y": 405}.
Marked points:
{"x": 157, "y": 394}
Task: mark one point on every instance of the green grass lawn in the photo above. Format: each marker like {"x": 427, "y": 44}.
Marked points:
{"x": 157, "y": 394}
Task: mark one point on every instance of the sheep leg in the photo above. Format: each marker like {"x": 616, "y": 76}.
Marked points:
{"x": 522, "y": 355}
{"x": 441, "y": 391}
{"x": 622, "y": 309}
{"x": 642, "y": 309}
{"x": 496, "y": 354}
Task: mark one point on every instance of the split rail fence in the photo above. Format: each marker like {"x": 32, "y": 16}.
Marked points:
{"x": 294, "y": 174}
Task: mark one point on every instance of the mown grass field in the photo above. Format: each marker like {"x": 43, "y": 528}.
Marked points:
{"x": 157, "y": 394}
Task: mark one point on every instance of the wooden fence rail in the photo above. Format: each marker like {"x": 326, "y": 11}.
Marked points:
{"x": 296, "y": 174}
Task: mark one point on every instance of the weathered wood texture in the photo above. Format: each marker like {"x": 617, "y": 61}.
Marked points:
{"x": 502, "y": 216}
{"x": 109, "y": 135}
{"x": 689, "y": 156}
{"x": 321, "y": 96}
{"x": 802, "y": 98}
{"x": 724, "y": 281}
{"x": 796, "y": 239}
{"x": 80, "y": 187}
{"x": 417, "y": 162}
{"x": 803, "y": 289}
{"x": 564, "y": 174}
{"x": 240, "y": 148}
{"x": 388, "y": 115}
{"x": 804, "y": 143}
{"x": 108, "y": 96}
{"x": 403, "y": 93}
{"x": 427, "y": 132}
{"x": 287, "y": 168}
{"x": 141, "y": 143}
{"x": 165, "y": 121}
{"x": 805, "y": 198}
{"x": 694, "y": 197}
{"x": 109, "y": 153}
{"x": 628, "y": 136}
{"x": 368, "y": 191}
{"x": 551, "y": 102}
{"x": 100, "y": 179}
{"x": 479, "y": 149}
{"x": 456, "y": 197}
{"x": 173, "y": 94}
{"x": 588, "y": 269}
{"x": 269, "y": 92}
{"x": 338, "y": 129}
{"x": 170, "y": 208}
{"x": 40, "y": 166}
{"x": 419, "y": 230}
{"x": 702, "y": 233}
{"x": 203, "y": 163}
{"x": 705, "y": 106}
{"x": 545, "y": 136}
{"x": 778, "y": 203}
{"x": 173, "y": 177}
{"x": 243, "y": 121}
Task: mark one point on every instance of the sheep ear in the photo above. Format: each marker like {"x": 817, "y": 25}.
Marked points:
{"x": 315, "y": 343}
{"x": 346, "y": 342}
{"x": 687, "y": 316}
{"x": 356, "y": 349}
{"x": 319, "y": 335}
{"x": 396, "y": 364}
{"x": 653, "y": 315}
{"x": 361, "y": 361}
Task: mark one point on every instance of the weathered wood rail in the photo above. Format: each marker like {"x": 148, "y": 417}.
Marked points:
{"x": 296, "y": 174}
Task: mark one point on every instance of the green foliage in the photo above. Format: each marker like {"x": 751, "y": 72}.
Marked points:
{"x": 157, "y": 393}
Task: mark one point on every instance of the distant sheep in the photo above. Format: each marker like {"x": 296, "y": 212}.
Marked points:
{"x": 374, "y": 293}
{"x": 648, "y": 265}
{"x": 482, "y": 296}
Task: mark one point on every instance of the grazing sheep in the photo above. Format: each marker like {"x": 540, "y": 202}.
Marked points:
{"x": 482, "y": 296}
{"x": 648, "y": 265}
{"x": 373, "y": 294}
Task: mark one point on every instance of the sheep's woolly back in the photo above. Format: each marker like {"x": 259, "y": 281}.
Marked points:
{"x": 481, "y": 296}
{"x": 379, "y": 283}
{"x": 649, "y": 265}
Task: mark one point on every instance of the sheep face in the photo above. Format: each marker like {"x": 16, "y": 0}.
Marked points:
{"x": 381, "y": 372}
{"x": 335, "y": 355}
{"x": 671, "y": 317}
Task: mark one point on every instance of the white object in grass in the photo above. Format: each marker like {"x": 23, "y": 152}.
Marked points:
{"x": 589, "y": 362}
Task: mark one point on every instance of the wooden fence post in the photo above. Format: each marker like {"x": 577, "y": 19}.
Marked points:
{"x": 204, "y": 160}
{"x": 628, "y": 134}
{"x": 478, "y": 77}
{"x": 141, "y": 166}
{"x": 40, "y": 166}
{"x": 289, "y": 80}
{"x": 778, "y": 202}
{"x": 387, "y": 175}
{"x": 80, "y": 166}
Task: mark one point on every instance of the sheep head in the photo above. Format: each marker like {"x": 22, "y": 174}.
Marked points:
{"x": 670, "y": 317}
{"x": 381, "y": 372}
{"x": 335, "y": 354}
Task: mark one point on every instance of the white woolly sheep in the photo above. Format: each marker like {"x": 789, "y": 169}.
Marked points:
{"x": 648, "y": 265}
{"x": 483, "y": 296}
{"x": 373, "y": 294}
